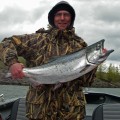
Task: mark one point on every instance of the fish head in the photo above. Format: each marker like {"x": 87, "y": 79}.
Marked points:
{"x": 96, "y": 53}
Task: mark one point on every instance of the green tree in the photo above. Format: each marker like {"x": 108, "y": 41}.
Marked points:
{"x": 101, "y": 71}
{"x": 117, "y": 74}
{"x": 110, "y": 73}
{"x": 113, "y": 73}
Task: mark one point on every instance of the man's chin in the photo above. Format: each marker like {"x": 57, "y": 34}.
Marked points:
{"x": 62, "y": 27}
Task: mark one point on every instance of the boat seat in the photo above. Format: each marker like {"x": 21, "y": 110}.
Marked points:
{"x": 107, "y": 112}
{"x": 18, "y": 110}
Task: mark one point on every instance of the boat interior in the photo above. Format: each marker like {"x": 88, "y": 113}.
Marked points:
{"x": 100, "y": 106}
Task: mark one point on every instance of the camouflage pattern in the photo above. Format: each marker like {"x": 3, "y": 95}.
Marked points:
{"x": 67, "y": 102}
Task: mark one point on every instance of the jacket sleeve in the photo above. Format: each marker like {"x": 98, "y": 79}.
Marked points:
{"x": 21, "y": 45}
{"x": 12, "y": 47}
{"x": 8, "y": 51}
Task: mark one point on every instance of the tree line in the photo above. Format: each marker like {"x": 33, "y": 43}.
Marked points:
{"x": 109, "y": 73}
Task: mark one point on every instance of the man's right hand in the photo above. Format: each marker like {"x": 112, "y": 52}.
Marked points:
{"x": 16, "y": 71}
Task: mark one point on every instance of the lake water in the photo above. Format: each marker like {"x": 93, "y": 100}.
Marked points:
{"x": 13, "y": 91}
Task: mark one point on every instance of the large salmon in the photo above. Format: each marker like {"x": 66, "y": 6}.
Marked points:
{"x": 69, "y": 67}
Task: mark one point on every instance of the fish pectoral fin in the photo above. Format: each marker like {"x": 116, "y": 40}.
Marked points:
{"x": 58, "y": 85}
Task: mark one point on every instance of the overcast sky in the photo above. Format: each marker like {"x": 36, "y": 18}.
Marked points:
{"x": 95, "y": 20}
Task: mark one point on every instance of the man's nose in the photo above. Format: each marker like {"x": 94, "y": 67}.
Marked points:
{"x": 62, "y": 16}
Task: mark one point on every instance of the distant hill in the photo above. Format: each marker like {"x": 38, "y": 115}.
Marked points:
{"x": 105, "y": 84}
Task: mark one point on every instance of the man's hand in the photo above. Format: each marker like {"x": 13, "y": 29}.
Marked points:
{"x": 16, "y": 71}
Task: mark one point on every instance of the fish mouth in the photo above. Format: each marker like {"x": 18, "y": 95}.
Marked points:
{"x": 108, "y": 52}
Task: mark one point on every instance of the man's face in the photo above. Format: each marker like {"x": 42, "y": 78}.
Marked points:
{"x": 62, "y": 19}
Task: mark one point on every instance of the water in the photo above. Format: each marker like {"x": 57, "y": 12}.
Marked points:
{"x": 14, "y": 91}
{"x": 111, "y": 91}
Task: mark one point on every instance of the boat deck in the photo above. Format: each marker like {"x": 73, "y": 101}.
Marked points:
{"x": 94, "y": 99}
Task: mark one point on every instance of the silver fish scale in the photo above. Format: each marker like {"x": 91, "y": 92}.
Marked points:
{"x": 60, "y": 71}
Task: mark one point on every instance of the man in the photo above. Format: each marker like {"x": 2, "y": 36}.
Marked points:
{"x": 66, "y": 102}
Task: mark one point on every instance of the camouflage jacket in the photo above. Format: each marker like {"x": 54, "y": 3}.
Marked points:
{"x": 66, "y": 102}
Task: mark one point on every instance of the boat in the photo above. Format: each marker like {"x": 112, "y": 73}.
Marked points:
{"x": 100, "y": 106}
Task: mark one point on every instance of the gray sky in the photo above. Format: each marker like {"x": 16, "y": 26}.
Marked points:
{"x": 95, "y": 20}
